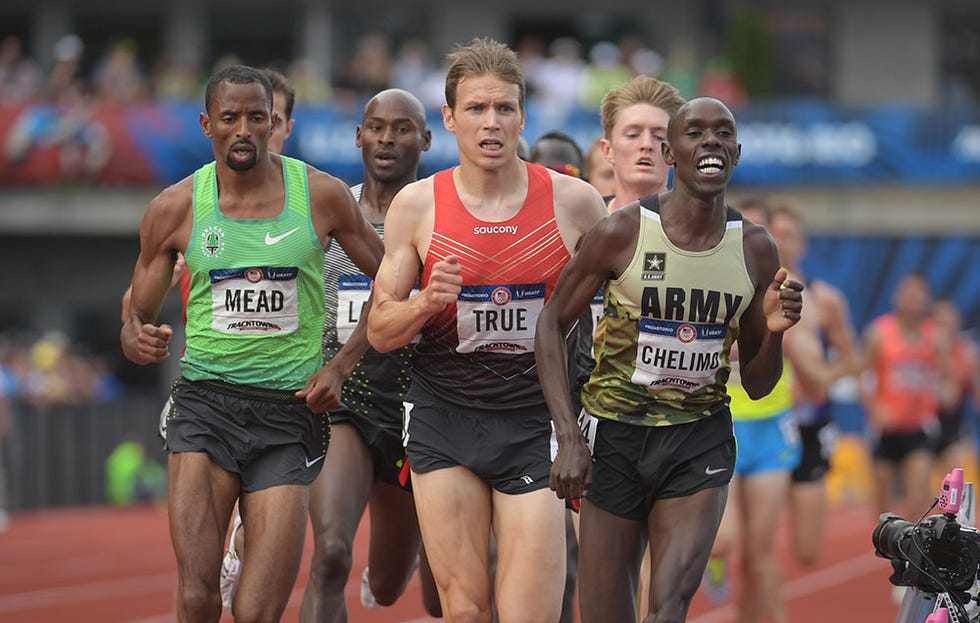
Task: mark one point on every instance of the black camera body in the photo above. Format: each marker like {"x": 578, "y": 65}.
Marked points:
{"x": 935, "y": 555}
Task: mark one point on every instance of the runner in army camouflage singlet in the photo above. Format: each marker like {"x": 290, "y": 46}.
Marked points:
{"x": 653, "y": 448}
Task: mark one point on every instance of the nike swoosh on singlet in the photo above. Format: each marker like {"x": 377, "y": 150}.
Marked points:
{"x": 274, "y": 239}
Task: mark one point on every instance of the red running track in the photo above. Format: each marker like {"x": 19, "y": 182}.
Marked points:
{"x": 111, "y": 565}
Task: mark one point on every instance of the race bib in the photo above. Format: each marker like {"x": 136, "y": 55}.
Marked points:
{"x": 677, "y": 355}
{"x": 353, "y": 292}
{"x": 254, "y": 300}
{"x": 588, "y": 423}
{"x": 597, "y": 309}
{"x": 498, "y": 318}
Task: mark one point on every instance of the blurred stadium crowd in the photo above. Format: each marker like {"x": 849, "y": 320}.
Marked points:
{"x": 560, "y": 74}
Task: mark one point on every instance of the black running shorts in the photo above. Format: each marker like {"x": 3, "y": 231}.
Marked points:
{"x": 509, "y": 449}
{"x": 635, "y": 465}
{"x": 818, "y": 445}
{"x": 267, "y": 437}
{"x": 383, "y": 442}
{"x": 894, "y": 447}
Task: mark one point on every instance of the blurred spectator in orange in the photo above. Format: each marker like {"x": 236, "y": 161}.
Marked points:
{"x": 904, "y": 354}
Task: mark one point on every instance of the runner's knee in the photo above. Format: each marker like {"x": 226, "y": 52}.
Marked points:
{"x": 332, "y": 557}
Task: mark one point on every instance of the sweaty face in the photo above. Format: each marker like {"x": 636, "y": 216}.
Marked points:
{"x": 239, "y": 124}
{"x": 635, "y": 147}
{"x": 703, "y": 146}
{"x": 391, "y": 137}
{"x": 487, "y": 120}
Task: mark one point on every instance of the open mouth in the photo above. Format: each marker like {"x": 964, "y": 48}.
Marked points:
{"x": 242, "y": 149}
{"x": 710, "y": 165}
{"x": 491, "y": 145}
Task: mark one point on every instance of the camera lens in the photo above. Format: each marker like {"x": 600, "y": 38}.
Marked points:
{"x": 889, "y": 533}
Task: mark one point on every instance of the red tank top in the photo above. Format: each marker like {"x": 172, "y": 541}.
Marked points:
{"x": 480, "y": 351}
{"x": 908, "y": 375}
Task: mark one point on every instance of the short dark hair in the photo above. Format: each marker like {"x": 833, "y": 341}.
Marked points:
{"x": 281, "y": 84}
{"x": 483, "y": 57}
{"x": 237, "y": 74}
{"x": 557, "y": 135}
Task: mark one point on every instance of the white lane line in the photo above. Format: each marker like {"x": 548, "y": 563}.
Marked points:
{"x": 807, "y": 584}
{"x": 91, "y": 592}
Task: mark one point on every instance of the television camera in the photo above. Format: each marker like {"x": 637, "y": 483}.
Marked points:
{"x": 937, "y": 557}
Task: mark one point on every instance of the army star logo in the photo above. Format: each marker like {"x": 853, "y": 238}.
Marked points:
{"x": 654, "y": 265}
{"x": 654, "y": 262}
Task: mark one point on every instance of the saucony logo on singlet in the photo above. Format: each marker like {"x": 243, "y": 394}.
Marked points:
{"x": 495, "y": 229}
{"x": 274, "y": 239}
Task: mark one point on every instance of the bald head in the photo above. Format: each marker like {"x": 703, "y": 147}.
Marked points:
{"x": 397, "y": 99}
{"x": 391, "y": 137}
{"x": 695, "y": 109}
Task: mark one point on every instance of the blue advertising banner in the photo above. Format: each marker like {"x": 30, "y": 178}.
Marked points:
{"x": 783, "y": 144}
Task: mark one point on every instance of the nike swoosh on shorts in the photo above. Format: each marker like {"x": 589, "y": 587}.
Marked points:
{"x": 310, "y": 463}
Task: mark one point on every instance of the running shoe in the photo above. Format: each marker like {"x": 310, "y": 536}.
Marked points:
{"x": 367, "y": 597}
{"x": 716, "y": 582}
{"x": 231, "y": 568}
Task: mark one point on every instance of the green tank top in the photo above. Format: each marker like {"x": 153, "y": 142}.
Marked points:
{"x": 256, "y": 310}
{"x": 669, "y": 321}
